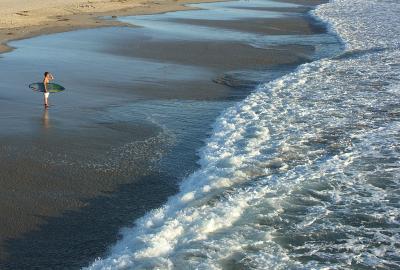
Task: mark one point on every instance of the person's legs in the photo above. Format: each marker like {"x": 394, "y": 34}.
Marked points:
{"x": 46, "y": 96}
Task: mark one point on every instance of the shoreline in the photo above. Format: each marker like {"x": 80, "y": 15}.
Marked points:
{"x": 60, "y": 22}
{"x": 147, "y": 71}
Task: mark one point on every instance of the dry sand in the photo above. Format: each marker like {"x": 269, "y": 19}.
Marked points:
{"x": 26, "y": 18}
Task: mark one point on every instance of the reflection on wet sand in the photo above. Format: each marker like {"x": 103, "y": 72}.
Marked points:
{"x": 46, "y": 119}
{"x": 139, "y": 103}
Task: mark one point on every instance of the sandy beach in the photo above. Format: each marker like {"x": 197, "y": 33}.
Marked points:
{"x": 26, "y": 18}
{"x": 200, "y": 134}
{"x": 140, "y": 102}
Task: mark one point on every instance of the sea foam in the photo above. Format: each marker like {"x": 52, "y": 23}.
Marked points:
{"x": 302, "y": 174}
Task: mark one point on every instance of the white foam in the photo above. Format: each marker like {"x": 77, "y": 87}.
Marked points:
{"x": 302, "y": 174}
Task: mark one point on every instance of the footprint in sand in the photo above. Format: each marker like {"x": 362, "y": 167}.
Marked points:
{"x": 86, "y": 6}
{"x": 22, "y": 13}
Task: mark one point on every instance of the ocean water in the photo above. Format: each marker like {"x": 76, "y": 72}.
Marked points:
{"x": 171, "y": 25}
{"x": 302, "y": 174}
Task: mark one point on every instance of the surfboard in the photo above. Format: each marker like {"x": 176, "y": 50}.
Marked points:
{"x": 51, "y": 87}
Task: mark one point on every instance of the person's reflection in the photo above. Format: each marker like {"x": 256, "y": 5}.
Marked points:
{"x": 46, "y": 119}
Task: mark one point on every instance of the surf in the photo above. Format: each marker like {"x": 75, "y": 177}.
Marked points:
{"x": 303, "y": 173}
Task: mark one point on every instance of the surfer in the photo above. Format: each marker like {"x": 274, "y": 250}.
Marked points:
{"x": 47, "y": 78}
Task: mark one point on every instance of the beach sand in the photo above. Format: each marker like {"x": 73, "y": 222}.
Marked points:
{"x": 21, "y": 19}
{"x": 73, "y": 176}
{"x": 291, "y": 26}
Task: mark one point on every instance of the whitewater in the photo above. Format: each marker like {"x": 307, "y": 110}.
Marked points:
{"x": 302, "y": 174}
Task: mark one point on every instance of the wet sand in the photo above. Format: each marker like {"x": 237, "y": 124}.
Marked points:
{"x": 23, "y": 19}
{"x": 291, "y": 25}
{"x": 138, "y": 105}
{"x": 214, "y": 55}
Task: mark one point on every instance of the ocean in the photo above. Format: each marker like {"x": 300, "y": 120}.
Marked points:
{"x": 302, "y": 174}
{"x": 128, "y": 130}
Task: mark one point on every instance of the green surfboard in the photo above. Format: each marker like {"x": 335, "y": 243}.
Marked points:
{"x": 51, "y": 87}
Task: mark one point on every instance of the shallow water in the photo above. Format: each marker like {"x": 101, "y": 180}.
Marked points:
{"x": 126, "y": 131}
{"x": 302, "y": 174}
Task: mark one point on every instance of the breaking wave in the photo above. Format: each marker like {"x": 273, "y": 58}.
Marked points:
{"x": 302, "y": 174}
